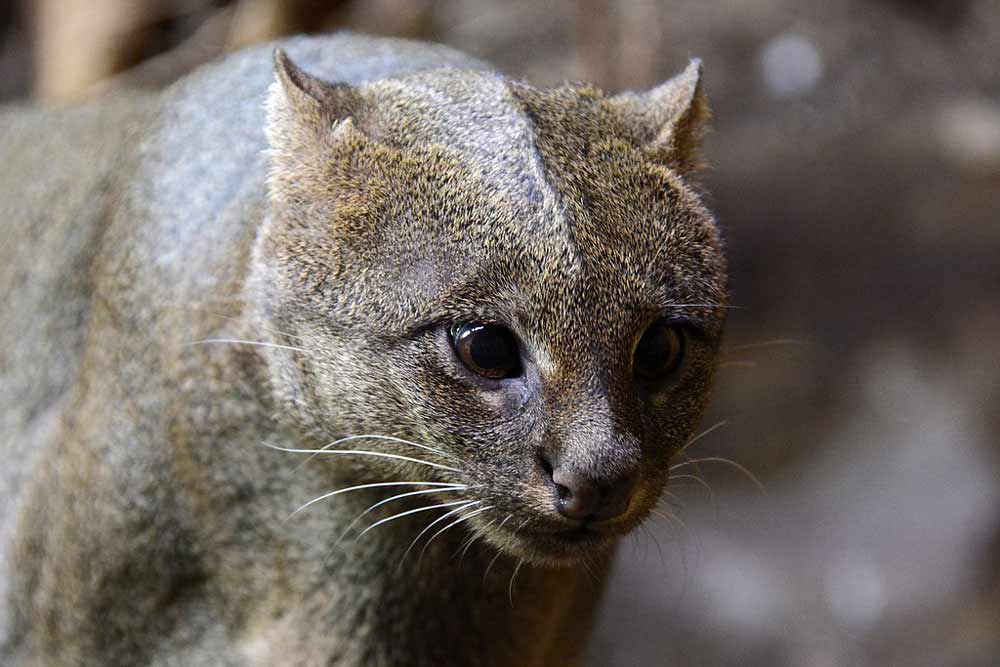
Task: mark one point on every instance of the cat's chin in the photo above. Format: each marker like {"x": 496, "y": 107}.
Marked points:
{"x": 557, "y": 548}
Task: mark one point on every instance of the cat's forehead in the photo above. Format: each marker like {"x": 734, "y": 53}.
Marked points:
{"x": 565, "y": 250}
{"x": 546, "y": 212}
{"x": 595, "y": 254}
{"x": 560, "y": 160}
{"x": 474, "y": 115}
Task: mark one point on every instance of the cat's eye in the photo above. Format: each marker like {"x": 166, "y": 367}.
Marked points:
{"x": 660, "y": 351}
{"x": 488, "y": 350}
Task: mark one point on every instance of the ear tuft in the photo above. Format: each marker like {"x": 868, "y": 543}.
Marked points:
{"x": 669, "y": 120}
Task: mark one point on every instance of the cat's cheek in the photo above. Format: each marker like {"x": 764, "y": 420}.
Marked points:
{"x": 495, "y": 405}
{"x": 508, "y": 401}
{"x": 450, "y": 395}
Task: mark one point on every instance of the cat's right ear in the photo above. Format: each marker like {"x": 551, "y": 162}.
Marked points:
{"x": 304, "y": 112}
{"x": 669, "y": 120}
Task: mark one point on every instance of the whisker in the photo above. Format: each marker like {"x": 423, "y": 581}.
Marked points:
{"x": 432, "y": 524}
{"x": 719, "y": 459}
{"x": 465, "y": 546}
{"x": 258, "y": 343}
{"x": 651, "y": 536}
{"x": 671, "y": 517}
{"x": 499, "y": 552}
{"x": 588, "y": 570}
{"x": 509, "y": 517}
{"x": 701, "y": 435}
{"x": 475, "y": 536}
{"x": 671, "y": 498}
{"x": 453, "y": 523}
{"x": 594, "y": 577}
{"x": 510, "y": 586}
{"x": 361, "y": 452}
{"x": 384, "y": 501}
{"x": 490, "y": 566}
{"x": 705, "y": 485}
{"x": 703, "y": 305}
{"x": 768, "y": 343}
{"x": 406, "y": 513}
{"x": 373, "y": 436}
{"x": 442, "y": 485}
{"x": 521, "y": 525}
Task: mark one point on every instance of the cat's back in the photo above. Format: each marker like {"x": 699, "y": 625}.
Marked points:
{"x": 59, "y": 170}
{"x": 58, "y": 174}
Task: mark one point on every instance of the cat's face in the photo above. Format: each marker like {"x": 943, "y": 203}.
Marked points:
{"x": 541, "y": 302}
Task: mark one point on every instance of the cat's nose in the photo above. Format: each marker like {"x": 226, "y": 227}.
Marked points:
{"x": 580, "y": 497}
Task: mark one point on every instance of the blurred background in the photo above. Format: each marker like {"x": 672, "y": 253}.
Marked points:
{"x": 855, "y": 170}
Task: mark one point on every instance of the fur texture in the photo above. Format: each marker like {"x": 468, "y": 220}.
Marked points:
{"x": 341, "y": 230}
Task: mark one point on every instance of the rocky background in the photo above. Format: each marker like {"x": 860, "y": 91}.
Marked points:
{"x": 855, "y": 168}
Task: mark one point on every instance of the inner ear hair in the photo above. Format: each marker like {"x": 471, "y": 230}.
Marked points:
{"x": 306, "y": 115}
{"x": 668, "y": 121}
{"x": 310, "y": 93}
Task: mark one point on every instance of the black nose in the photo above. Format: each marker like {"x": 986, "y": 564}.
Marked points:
{"x": 580, "y": 497}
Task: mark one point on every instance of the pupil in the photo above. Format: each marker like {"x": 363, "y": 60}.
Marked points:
{"x": 490, "y": 350}
{"x": 658, "y": 353}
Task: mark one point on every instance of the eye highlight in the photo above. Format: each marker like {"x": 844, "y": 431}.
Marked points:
{"x": 488, "y": 350}
{"x": 660, "y": 351}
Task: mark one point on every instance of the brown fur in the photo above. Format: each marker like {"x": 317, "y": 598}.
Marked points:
{"x": 422, "y": 189}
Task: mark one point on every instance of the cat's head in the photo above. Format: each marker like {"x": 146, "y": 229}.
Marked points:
{"x": 518, "y": 278}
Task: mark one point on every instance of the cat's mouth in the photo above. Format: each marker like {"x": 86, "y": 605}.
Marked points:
{"x": 538, "y": 532}
{"x": 562, "y": 545}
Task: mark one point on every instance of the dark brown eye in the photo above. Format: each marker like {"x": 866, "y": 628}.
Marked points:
{"x": 660, "y": 351}
{"x": 487, "y": 350}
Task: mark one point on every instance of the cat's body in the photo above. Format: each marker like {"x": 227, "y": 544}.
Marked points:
{"x": 144, "y": 519}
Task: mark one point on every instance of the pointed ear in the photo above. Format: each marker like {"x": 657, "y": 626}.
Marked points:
{"x": 303, "y": 111}
{"x": 669, "y": 120}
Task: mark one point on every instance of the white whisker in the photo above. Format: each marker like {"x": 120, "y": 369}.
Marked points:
{"x": 683, "y": 534}
{"x": 407, "y": 513}
{"x": 469, "y": 542}
{"x": 701, "y": 435}
{"x": 510, "y": 587}
{"x": 509, "y": 517}
{"x": 499, "y": 552}
{"x": 490, "y": 566}
{"x": 768, "y": 343}
{"x": 705, "y": 485}
{"x": 390, "y": 499}
{"x": 361, "y": 452}
{"x": 258, "y": 343}
{"x": 372, "y": 436}
{"x": 442, "y": 486}
{"x": 432, "y": 524}
{"x": 671, "y": 517}
{"x": 453, "y": 523}
{"x": 719, "y": 459}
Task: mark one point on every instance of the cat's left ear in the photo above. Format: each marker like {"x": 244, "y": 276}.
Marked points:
{"x": 669, "y": 120}
{"x": 304, "y": 112}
